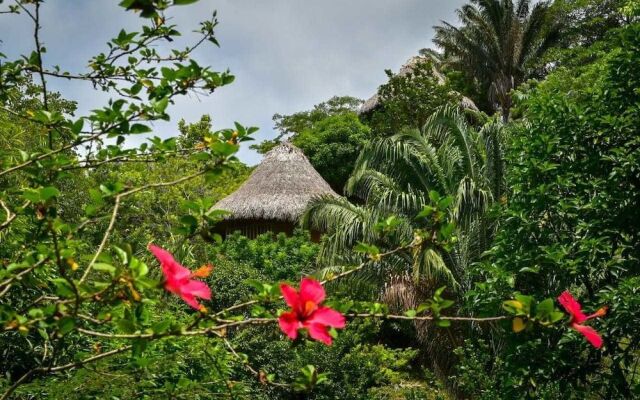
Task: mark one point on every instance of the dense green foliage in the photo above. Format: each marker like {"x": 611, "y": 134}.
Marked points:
{"x": 457, "y": 234}
{"x": 333, "y": 145}
{"x": 407, "y": 100}
{"x": 572, "y": 222}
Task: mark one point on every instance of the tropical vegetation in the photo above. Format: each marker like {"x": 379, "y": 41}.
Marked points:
{"x": 484, "y": 243}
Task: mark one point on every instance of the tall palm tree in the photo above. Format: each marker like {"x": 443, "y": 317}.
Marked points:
{"x": 497, "y": 43}
{"x": 395, "y": 175}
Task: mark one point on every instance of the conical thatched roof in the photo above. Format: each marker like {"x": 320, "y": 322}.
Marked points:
{"x": 280, "y": 188}
{"x": 374, "y": 101}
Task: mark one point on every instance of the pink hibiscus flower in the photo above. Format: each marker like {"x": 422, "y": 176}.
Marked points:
{"x": 307, "y": 313}
{"x": 177, "y": 279}
{"x": 578, "y": 318}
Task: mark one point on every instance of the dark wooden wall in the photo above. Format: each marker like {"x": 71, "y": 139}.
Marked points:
{"x": 251, "y": 228}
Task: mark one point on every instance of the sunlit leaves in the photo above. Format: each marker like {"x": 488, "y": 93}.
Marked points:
{"x": 41, "y": 195}
{"x": 265, "y": 292}
{"x": 370, "y": 250}
{"x": 527, "y": 312}
{"x": 309, "y": 378}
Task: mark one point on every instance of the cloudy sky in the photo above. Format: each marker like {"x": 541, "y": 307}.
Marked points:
{"x": 287, "y": 55}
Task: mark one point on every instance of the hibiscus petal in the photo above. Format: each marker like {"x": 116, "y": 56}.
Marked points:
{"x": 290, "y": 295}
{"x": 319, "y": 332}
{"x": 172, "y": 286}
{"x": 590, "y": 334}
{"x": 572, "y": 306}
{"x": 171, "y": 269}
{"x": 327, "y": 316}
{"x": 190, "y": 300}
{"x": 311, "y": 290}
{"x": 161, "y": 254}
{"x": 175, "y": 272}
{"x": 198, "y": 289}
{"x": 289, "y": 324}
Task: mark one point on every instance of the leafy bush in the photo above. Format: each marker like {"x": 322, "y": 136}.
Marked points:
{"x": 572, "y": 221}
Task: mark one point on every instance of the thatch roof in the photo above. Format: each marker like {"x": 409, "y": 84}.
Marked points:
{"x": 374, "y": 101}
{"x": 280, "y": 188}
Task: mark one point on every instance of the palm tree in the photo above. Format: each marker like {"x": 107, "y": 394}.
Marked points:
{"x": 394, "y": 177}
{"x": 497, "y": 43}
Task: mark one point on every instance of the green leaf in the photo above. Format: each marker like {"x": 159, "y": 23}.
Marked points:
{"x": 444, "y": 203}
{"x": 138, "y": 268}
{"x": 48, "y": 192}
{"x": 76, "y": 128}
{"x": 138, "y": 347}
{"x": 443, "y": 323}
{"x": 513, "y": 306}
{"x": 439, "y": 292}
{"x": 445, "y": 304}
{"x": 161, "y": 105}
{"x": 367, "y": 249}
{"x": 110, "y": 269}
{"x": 545, "y": 307}
{"x": 224, "y": 149}
{"x": 126, "y": 326}
{"x": 63, "y": 288}
{"x": 447, "y": 230}
{"x": 426, "y": 212}
{"x": 66, "y": 325}
{"x": 31, "y": 195}
{"x": 139, "y": 128}
{"x": 122, "y": 254}
{"x": 434, "y": 196}
{"x": 162, "y": 326}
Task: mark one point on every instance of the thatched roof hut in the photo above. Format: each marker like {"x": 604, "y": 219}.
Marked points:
{"x": 275, "y": 195}
{"x": 374, "y": 101}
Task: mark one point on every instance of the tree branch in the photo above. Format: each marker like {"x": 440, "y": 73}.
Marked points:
{"x": 10, "y": 216}
{"x": 114, "y": 215}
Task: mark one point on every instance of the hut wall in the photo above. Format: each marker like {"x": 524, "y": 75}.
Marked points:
{"x": 251, "y": 228}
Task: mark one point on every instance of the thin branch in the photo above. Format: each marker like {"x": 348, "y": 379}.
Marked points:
{"x": 17, "y": 383}
{"x": 9, "y": 281}
{"x": 114, "y": 215}
{"x": 25, "y": 9}
{"x": 262, "y": 321}
{"x": 10, "y": 215}
{"x": 197, "y": 332}
{"x": 129, "y": 158}
{"x": 53, "y": 152}
{"x": 88, "y": 360}
{"x": 36, "y": 36}
{"x": 364, "y": 264}
{"x": 104, "y": 240}
{"x": 428, "y": 317}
